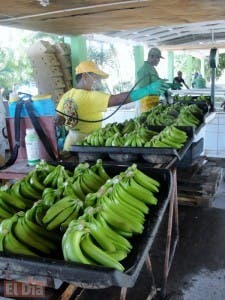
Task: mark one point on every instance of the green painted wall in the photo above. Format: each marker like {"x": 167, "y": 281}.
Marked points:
{"x": 138, "y": 58}
{"x": 170, "y": 66}
{"x": 78, "y": 51}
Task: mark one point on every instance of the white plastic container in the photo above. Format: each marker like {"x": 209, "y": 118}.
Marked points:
{"x": 32, "y": 147}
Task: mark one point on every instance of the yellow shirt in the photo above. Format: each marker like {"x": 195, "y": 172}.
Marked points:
{"x": 86, "y": 105}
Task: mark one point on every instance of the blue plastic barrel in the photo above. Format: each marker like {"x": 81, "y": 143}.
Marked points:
{"x": 43, "y": 106}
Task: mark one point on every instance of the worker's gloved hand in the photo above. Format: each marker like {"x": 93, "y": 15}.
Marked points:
{"x": 155, "y": 88}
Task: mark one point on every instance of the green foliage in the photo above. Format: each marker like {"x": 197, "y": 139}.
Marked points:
{"x": 219, "y": 70}
{"x": 15, "y": 67}
{"x": 182, "y": 63}
{"x": 106, "y": 57}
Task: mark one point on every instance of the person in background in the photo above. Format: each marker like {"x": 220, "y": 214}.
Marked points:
{"x": 200, "y": 82}
{"x": 179, "y": 81}
{"x": 148, "y": 74}
{"x": 194, "y": 81}
{"x": 81, "y": 108}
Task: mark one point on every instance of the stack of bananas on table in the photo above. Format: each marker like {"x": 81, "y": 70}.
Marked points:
{"x": 187, "y": 98}
{"x": 51, "y": 198}
{"x": 117, "y": 212}
{"x": 174, "y": 114}
{"x": 92, "y": 215}
{"x": 170, "y": 137}
{"x": 188, "y": 116}
{"x": 138, "y": 132}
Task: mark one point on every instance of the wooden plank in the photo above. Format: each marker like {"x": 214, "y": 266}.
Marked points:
{"x": 97, "y": 16}
{"x": 69, "y": 291}
{"x": 195, "y": 201}
{"x": 199, "y": 188}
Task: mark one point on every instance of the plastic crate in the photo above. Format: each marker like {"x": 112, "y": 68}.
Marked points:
{"x": 192, "y": 153}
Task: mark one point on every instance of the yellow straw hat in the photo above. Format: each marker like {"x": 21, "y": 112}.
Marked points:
{"x": 90, "y": 67}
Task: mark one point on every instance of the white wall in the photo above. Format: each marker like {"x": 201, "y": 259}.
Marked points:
{"x": 215, "y": 136}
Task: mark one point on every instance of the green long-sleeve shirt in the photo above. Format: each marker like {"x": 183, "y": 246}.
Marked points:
{"x": 148, "y": 73}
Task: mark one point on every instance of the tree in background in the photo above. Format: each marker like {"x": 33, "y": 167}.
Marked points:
{"x": 181, "y": 62}
{"x": 188, "y": 65}
{"x": 15, "y": 67}
{"x": 219, "y": 70}
{"x": 106, "y": 55}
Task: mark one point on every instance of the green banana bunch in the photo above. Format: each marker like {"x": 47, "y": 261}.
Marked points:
{"x": 59, "y": 212}
{"x": 9, "y": 243}
{"x": 88, "y": 179}
{"x": 143, "y": 179}
{"x": 36, "y": 182}
{"x": 79, "y": 246}
{"x": 130, "y": 125}
{"x": 95, "y": 139}
{"x": 10, "y": 203}
{"x": 138, "y": 191}
{"x": 133, "y": 140}
{"x": 15, "y": 191}
{"x": 6, "y": 210}
{"x": 100, "y": 171}
{"x": 57, "y": 177}
{"x": 37, "y": 212}
{"x": 115, "y": 140}
{"x": 28, "y": 191}
{"x": 146, "y": 134}
{"x": 169, "y": 137}
{"x": 50, "y": 195}
{"x": 118, "y": 219}
{"x": 196, "y": 110}
{"x": 24, "y": 232}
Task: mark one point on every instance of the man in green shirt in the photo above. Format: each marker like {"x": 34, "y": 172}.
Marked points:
{"x": 146, "y": 75}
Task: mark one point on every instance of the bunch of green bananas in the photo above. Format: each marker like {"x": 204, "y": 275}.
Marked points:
{"x": 99, "y": 136}
{"x": 186, "y": 117}
{"x": 56, "y": 177}
{"x": 29, "y": 189}
{"x": 88, "y": 179}
{"x": 115, "y": 140}
{"x": 51, "y": 195}
{"x": 169, "y": 137}
{"x": 100, "y": 235}
{"x": 20, "y": 195}
{"x": 62, "y": 212}
{"x": 9, "y": 204}
{"x": 130, "y": 126}
{"x": 133, "y": 139}
{"x": 78, "y": 244}
{"x": 20, "y": 235}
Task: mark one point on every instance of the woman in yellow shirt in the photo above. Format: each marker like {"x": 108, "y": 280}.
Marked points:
{"x": 83, "y": 103}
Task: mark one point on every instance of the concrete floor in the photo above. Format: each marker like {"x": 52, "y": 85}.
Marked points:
{"x": 198, "y": 268}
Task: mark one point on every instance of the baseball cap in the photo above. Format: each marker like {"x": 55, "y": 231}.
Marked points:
{"x": 90, "y": 67}
{"x": 155, "y": 52}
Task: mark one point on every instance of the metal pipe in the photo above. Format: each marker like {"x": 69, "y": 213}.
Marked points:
{"x": 70, "y": 9}
{"x": 213, "y": 76}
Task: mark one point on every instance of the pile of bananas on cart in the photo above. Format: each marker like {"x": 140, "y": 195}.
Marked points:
{"x": 139, "y": 132}
{"x": 82, "y": 215}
